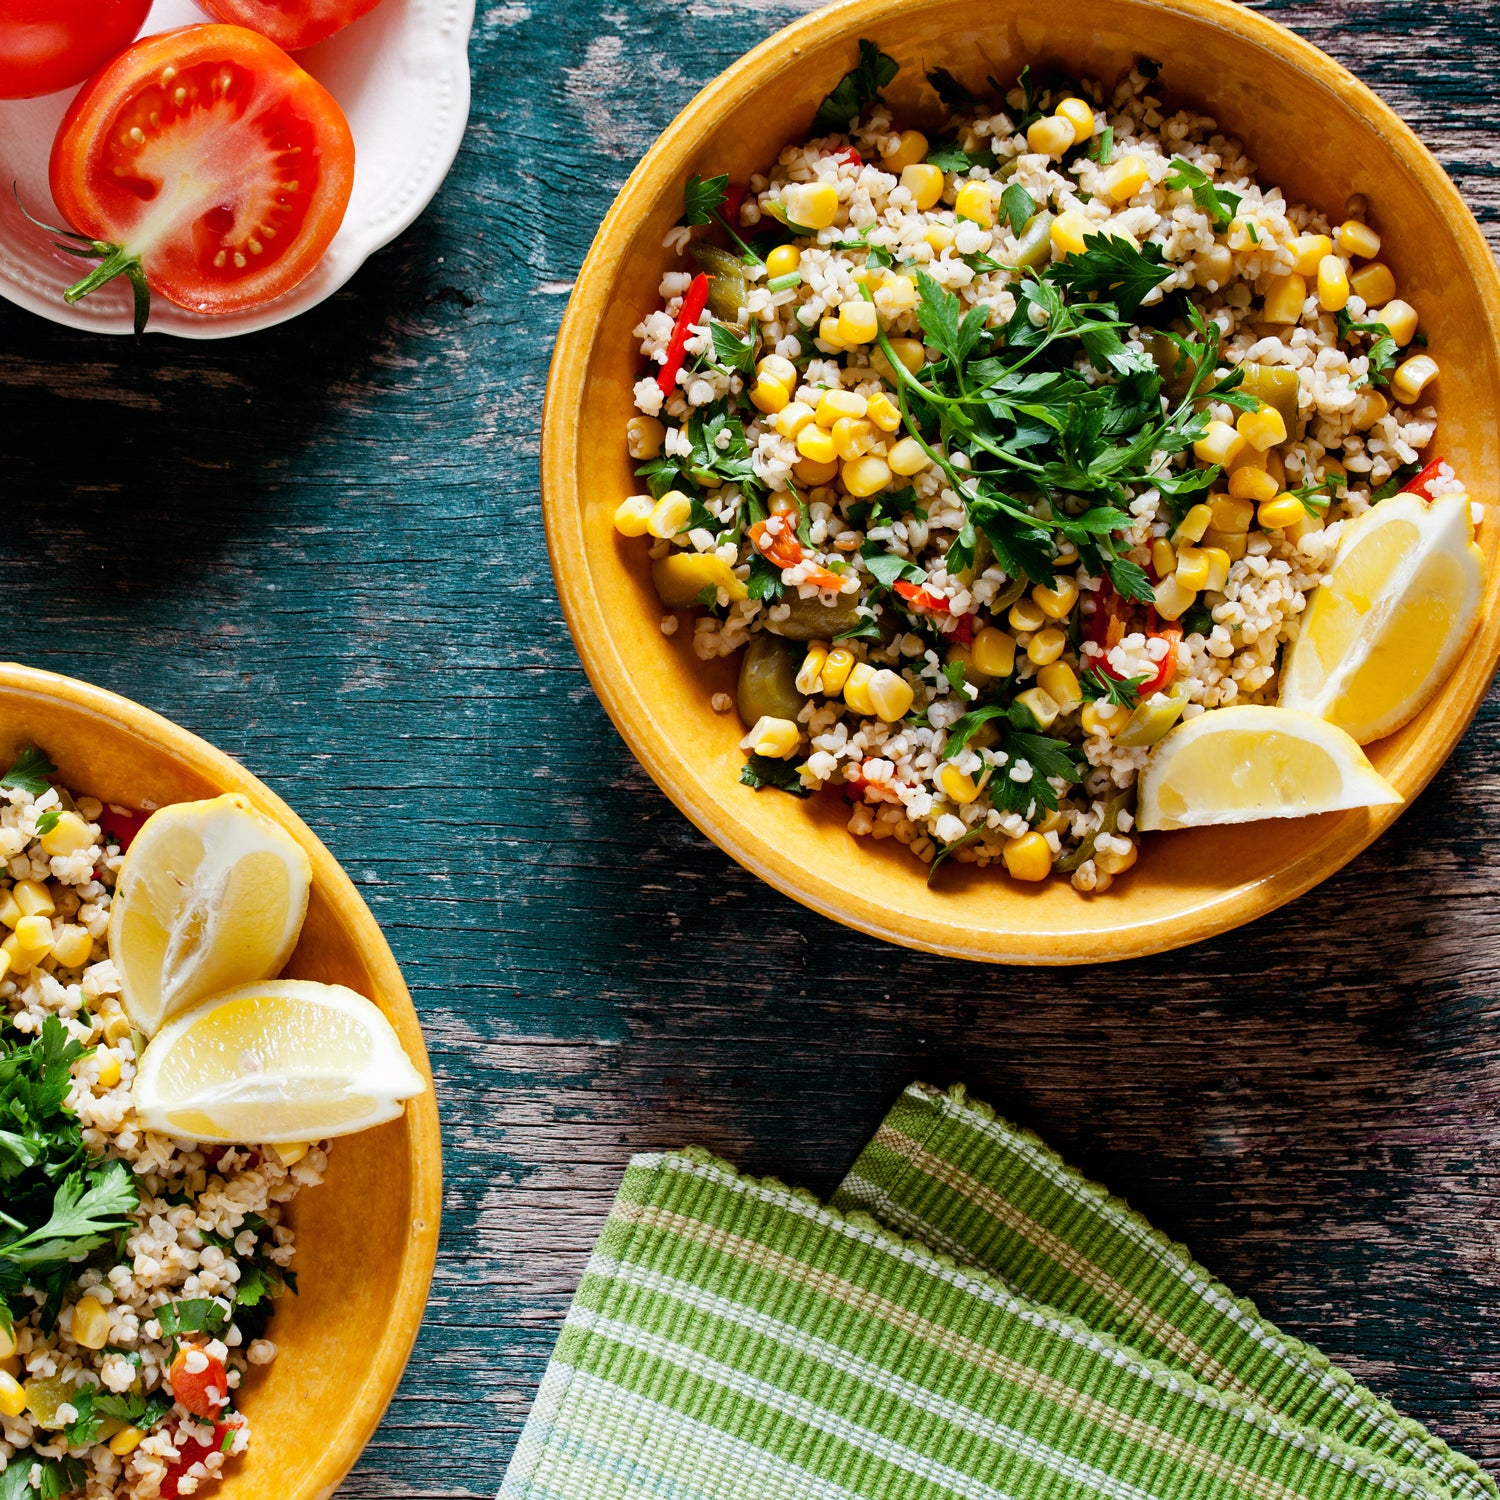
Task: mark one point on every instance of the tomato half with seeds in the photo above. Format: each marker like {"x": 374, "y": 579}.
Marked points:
{"x": 46, "y": 45}
{"x": 291, "y": 23}
{"x": 205, "y": 165}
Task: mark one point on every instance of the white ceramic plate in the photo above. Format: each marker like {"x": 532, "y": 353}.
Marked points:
{"x": 401, "y": 75}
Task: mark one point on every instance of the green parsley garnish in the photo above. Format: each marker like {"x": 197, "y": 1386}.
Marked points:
{"x": 762, "y": 771}
{"x": 30, "y": 772}
{"x": 859, "y": 87}
{"x": 1219, "y": 204}
{"x": 1123, "y": 692}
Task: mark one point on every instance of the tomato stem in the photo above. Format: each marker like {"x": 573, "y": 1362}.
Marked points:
{"x": 115, "y": 260}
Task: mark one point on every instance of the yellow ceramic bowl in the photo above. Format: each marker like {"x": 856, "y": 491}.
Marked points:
{"x": 367, "y": 1237}
{"x": 1316, "y": 132}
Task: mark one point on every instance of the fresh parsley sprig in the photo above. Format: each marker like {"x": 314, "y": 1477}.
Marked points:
{"x": 1218, "y": 203}
{"x": 858, "y": 88}
{"x": 30, "y": 772}
{"x": 1122, "y": 692}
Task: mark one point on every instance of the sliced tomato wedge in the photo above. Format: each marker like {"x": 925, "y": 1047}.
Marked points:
{"x": 205, "y": 165}
{"x": 46, "y": 45}
{"x": 291, "y": 23}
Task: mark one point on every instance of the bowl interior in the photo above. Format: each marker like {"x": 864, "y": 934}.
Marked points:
{"x": 1265, "y": 85}
{"x": 367, "y": 1236}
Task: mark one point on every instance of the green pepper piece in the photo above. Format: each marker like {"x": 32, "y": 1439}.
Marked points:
{"x": 768, "y": 680}
{"x": 1276, "y": 386}
{"x": 1035, "y": 243}
{"x": 1107, "y": 824}
{"x": 726, "y": 289}
{"x": 1152, "y": 721}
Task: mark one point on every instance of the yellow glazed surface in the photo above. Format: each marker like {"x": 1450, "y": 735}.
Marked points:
{"x": 367, "y": 1237}
{"x": 1262, "y": 84}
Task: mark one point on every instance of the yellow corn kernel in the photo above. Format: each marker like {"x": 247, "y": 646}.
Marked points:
{"x": 1246, "y": 235}
{"x": 835, "y": 404}
{"x": 1333, "y": 283}
{"x": 109, "y": 1071}
{"x": 1053, "y": 134}
{"x": 1230, "y": 514}
{"x": 1060, "y": 682}
{"x": 783, "y": 261}
{"x": 1163, "y": 559}
{"x": 1056, "y": 603}
{"x": 1284, "y": 510}
{"x": 772, "y": 737}
{"x": 814, "y": 205}
{"x": 778, "y": 368}
{"x": 1193, "y": 525}
{"x": 34, "y": 934}
{"x": 817, "y": 444}
{"x": 1042, "y": 704}
{"x": 769, "y": 395}
{"x": 1079, "y": 113}
{"x": 1305, "y": 527}
{"x": 1284, "y": 298}
{"x": 1047, "y": 645}
{"x": 72, "y": 946}
{"x": 633, "y": 514}
{"x": 1218, "y": 568}
{"x": 1308, "y": 251}
{"x": 1214, "y": 265}
{"x": 1252, "y": 483}
{"x": 19, "y": 960}
{"x": 116, "y": 1029}
{"x": 1262, "y": 429}
{"x": 1374, "y": 283}
{"x": 864, "y": 476}
{"x": 34, "y": 899}
{"x": 90, "y": 1323}
{"x": 12, "y": 1396}
{"x": 10, "y": 909}
{"x": 1413, "y": 376}
{"x": 1358, "y": 239}
{"x": 925, "y": 184}
{"x": 1103, "y": 717}
{"x": 1232, "y": 544}
{"x": 1191, "y": 571}
{"x": 1172, "y": 600}
{"x": 1068, "y": 231}
{"x": 911, "y": 147}
{"x": 939, "y": 236}
{"x": 291, "y": 1152}
{"x": 1125, "y": 178}
{"x": 857, "y": 688}
{"x": 791, "y": 419}
{"x": 669, "y": 515}
{"x": 1113, "y": 863}
{"x": 644, "y": 437}
{"x": 810, "y": 473}
{"x": 858, "y": 322}
{"x": 1219, "y": 443}
{"x": 907, "y": 457}
{"x": 891, "y": 694}
{"x": 1028, "y": 857}
{"x": 126, "y": 1441}
{"x": 883, "y": 412}
{"x": 836, "y": 671}
{"x": 1369, "y": 409}
{"x": 956, "y": 786}
{"x": 909, "y": 352}
{"x": 994, "y": 652}
{"x": 1024, "y": 615}
{"x": 973, "y": 203}
{"x": 828, "y": 333}
{"x": 810, "y": 673}
{"x": 7, "y": 1341}
{"x": 1401, "y": 318}
{"x": 853, "y": 437}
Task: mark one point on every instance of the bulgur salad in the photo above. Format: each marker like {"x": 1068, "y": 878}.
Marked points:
{"x": 138, "y": 1269}
{"x": 1005, "y": 453}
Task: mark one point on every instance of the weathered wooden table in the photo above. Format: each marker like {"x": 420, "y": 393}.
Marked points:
{"x": 321, "y": 547}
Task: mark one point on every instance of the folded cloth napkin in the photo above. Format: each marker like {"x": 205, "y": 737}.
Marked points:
{"x": 734, "y": 1339}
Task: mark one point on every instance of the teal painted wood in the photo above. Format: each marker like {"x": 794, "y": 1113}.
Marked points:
{"x": 321, "y": 547}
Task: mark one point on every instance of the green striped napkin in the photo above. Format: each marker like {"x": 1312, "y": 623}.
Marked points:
{"x": 734, "y": 1339}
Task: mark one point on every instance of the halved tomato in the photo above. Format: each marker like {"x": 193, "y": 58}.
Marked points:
{"x": 291, "y": 23}
{"x": 205, "y": 165}
{"x": 46, "y": 45}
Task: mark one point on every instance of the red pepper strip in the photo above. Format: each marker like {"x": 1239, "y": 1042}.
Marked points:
{"x": 1167, "y": 668}
{"x": 122, "y": 825}
{"x": 189, "y": 1452}
{"x": 729, "y": 210}
{"x": 1418, "y": 485}
{"x": 1102, "y": 626}
{"x": 785, "y": 551}
{"x": 963, "y": 629}
{"x": 692, "y": 309}
{"x": 919, "y": 598}
{"x": 850, "y": 155}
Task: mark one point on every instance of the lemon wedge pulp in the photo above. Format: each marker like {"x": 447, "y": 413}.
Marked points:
{"x": 1383, "y": 629}
{"x": 1240, "y": 764}
{"x": 275, "y": 1062}
{"x": 211, "y": 895}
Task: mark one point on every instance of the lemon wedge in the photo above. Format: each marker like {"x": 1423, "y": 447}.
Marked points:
{"x": 1236, "y": 765}
{"x": 273, "y": 1063}
{"x": 211, "y": 895}
{"x": 1384, "y": 628}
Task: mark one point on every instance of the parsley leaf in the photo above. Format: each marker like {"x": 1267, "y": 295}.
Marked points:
{"x": 703, "y": 197}
{"x": 730, "y": 350}
{"x": 59, "y": 1476}
{"x": 886, "y": 568}
{"x": 949, "y": 156}
{"x": 1381, "y": 353}
{"x": 856, "y": 89}
{"x": 1114, "y": 267}
{"x": 953, "y": 848}
{"x": 1017, "y": 205}
{"x": 48, "y": 820}
{"x": 950, "y": 330}
{"x": 764, "y": 581}
{"x": 1217, "y": 203}
{"x": 761, "y": 771}
{"x": 949, "y": 89}
{"x": 1122, "y": 692}
{"x": 30, "y": 772}
{"x": 91, "y": 1204}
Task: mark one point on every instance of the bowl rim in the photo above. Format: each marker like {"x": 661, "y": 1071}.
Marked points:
{"x": 651, "y": 742}
{"x": 387, "y": 1361}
